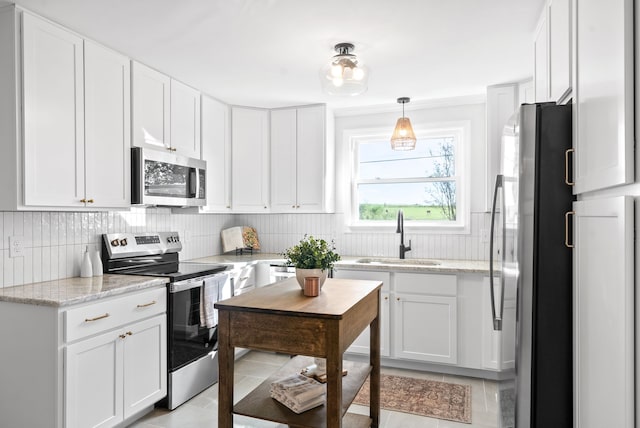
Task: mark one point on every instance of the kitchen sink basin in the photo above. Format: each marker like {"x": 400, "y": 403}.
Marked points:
{"x": 420, "y": 262}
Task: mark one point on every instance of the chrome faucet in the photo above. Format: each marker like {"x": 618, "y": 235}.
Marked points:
{"x": 400, "y": 230}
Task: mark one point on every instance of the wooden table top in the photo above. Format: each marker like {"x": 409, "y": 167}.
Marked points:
{"x": 336, "y": 298}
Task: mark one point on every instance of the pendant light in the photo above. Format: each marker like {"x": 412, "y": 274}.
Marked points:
{"x": 403, "y": 137}
{"x": 344, "y": 75}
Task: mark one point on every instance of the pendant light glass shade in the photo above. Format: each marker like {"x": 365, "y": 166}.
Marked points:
{"x": 403, "y": 137}
{"x": 344, "y": 75}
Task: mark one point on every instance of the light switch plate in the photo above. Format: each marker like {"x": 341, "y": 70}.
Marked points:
{"x": 16, "y": 245}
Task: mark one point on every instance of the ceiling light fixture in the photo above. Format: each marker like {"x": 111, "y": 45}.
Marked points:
{"x": 344, "y": 75}
{"x": 403, "y": 137}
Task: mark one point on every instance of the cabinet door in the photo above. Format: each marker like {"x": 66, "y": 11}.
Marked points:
{"x": 107, "y": 127}
{"x": 283, "y": 160}
{"x": 93, "y": 382}
{"x": 145, "y": 364}
{"x": 361, "y": 344}
{"x": 604, "y": 94}
{"x": 603, "y": 292}
{"x": 216, "y": 151}
{"x": 311, "y": 159}
{"x": 53, "y": 115}
{"x": 250, "y": 159}
{"x": 426, "y": 328}
{"x": 540, "y": 62}
{"x": 151, "y": 94}
{"x": 559, "y": 23}
{"x": 185, "y": 120}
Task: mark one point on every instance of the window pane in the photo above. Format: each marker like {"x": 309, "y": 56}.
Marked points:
{"x": 432, "y": 157}
{"x": 419, "y": 201}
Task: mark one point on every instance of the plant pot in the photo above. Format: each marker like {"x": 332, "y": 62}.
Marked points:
{"x": 301, "y": 274}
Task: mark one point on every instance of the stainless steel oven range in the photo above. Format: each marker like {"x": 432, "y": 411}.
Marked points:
{"x": 192, "y": 344}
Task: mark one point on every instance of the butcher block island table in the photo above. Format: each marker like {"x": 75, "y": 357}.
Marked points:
{"x": 280, "y": 318}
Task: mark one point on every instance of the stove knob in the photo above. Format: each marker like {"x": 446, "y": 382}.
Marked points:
{"x": 123, "y": 242}
{"x": 177, "y": 239}
{"x": 115, "y": 243}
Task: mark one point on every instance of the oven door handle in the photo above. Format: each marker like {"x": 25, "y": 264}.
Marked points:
{"x": 188, "y": 284}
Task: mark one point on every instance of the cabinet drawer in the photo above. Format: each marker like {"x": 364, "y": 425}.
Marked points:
{"x": 363, "y": 274}
{"x": 105, "y": 315}
{"x": 434, "y": 284}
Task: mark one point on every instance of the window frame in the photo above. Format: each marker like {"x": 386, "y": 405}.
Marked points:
{"x": 461, "y": 131}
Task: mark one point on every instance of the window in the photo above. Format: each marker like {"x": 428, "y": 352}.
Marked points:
{"x": 426, "y": 183}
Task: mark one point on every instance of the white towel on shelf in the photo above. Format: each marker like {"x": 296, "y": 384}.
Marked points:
{"x": 209, "y": 295}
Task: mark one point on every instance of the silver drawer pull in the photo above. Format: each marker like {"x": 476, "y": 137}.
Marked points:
{"x": 153, "y": 302}
{"x": 244, "y": 278}
{"x": 96, "y": 318}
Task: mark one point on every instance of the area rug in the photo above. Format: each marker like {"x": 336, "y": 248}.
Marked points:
{"x": 431, "y": 398}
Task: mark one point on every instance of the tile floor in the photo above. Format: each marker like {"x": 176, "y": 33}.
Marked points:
{"x": 252, "y": 369}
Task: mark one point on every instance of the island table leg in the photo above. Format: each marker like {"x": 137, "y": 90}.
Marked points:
{"x": 334, "y": 376}
{"x": 374, "y": 360}
{"x": 226, "y": 362}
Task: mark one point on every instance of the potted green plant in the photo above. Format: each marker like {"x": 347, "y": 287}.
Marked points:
{"x": 312, "y": 258}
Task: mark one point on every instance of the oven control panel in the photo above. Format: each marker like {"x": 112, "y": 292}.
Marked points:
{"x": 139, "y": 244}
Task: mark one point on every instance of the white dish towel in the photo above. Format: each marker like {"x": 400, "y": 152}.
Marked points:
{"x": 209, "y": 295}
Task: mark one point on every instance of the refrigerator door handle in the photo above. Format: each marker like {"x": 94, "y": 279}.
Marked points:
{"x": 497, "y": 320}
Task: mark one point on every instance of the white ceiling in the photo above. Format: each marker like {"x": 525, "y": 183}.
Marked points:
{"x": 268, "y": 53}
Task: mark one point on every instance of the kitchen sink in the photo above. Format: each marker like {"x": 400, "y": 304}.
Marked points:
{"x": 421, "y": 262}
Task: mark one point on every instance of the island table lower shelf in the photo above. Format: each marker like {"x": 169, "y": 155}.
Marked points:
{"x": 259, "y": 404}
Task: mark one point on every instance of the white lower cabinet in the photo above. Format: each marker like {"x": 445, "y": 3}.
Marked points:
{"x": 426, "y": 317}
{"x": 361, "y": 344}
{"x": 111, "y": 376}
{"x": 93, "y": 382}
{"x": 438, "y": 319}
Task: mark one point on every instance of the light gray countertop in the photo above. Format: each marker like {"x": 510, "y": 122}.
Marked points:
{"x": 71, "y": 291}
{"x": 350, "y": 262}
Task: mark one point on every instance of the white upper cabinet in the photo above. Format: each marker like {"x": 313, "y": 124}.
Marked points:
{"x": 53, "y": 114}
{"x": 166, "y": 113}
{"x": 283, "y": 160}
{"x": 216, "y": 151}
{"x": 301, "y": 160}
{"x": 185, "y": 120}
{"x": 603, "y": 293}
{"x": 559, "y": 26}
{"x": 107, "y": 127}
{"x": 151, "y": 95}
{"x": 552, "y": 53}
{"x": 250, "y": 159}
{"x": 603, "y": 94}
{"x": 541, "y": 61}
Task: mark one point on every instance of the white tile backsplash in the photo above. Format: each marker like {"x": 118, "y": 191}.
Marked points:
{"x": 55, "y": 241}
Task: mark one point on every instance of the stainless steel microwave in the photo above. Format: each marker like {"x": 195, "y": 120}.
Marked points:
{"x": 167, "y": 179}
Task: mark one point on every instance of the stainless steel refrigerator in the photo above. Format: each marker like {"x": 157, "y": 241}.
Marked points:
{"x": 531, "y": 263}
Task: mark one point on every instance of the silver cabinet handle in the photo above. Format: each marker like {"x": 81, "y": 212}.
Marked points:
{"x": 497, "y": 320}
